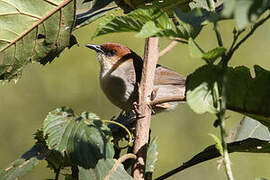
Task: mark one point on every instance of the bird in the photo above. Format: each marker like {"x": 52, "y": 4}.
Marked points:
{"x": 120, "y": 73}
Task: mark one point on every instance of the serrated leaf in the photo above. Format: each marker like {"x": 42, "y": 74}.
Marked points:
{"x": 149, "y": 22}
{"x": 83, "y": 139}
{"x": 152, "y": 156}
{"x": 246, "y": 95}
{"x": 245, "y": 11}
{"x": 33, "y": 31}
{"x": 102, "y": 170}
{"x": 167, "y": 5}
{"x": 89, "y": 11}
{"x": 28, "y": 161}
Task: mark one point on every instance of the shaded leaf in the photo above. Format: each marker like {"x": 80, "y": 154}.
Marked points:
{"x": 33, "y": 31}
{"x": 89, "y": 11}
{"x": 83, "y": 139}
{"x": 191, "y": 22}
{"x": 245, "y": 11}
{"x": 249, "y": 145}
{"x": 26, "y": 163}
{"x": 152, "y": 156}
{"x": 245, "y": 94}
{"x": 102, "y": 170}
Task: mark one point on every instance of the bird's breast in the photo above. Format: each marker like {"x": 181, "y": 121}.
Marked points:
{"x": 118, "y": 90}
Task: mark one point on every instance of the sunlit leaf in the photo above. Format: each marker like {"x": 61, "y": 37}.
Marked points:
{"x": 249, "y": 128}
{"x": 148, "y": 22}
{"x": 213, "y": 54}
{"x": 33, "y": 31}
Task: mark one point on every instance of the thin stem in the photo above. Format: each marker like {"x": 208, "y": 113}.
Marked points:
{"x": 75, "y": 173}
{"x": 57, "y": 172}
{"x": 220, "y": 102}
{"x": 144, "y": 110}
{"x": 221, "y": 119}
{"x": 253, "y": 29}
{"x": 168, "y": 48}
{"x": 219, "y": 39}
{"x": 118, "y": 162}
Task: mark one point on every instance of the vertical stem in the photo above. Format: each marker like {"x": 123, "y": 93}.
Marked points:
{"x": 222, "y": 117}
{"x": 151, "y": 54}
{"x": 57, "y": 172}
{"x": 219, "y": 39}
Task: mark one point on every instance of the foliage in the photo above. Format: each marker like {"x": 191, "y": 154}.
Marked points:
{"x": 45, "y": 33}
{"x": 83, "y": 145}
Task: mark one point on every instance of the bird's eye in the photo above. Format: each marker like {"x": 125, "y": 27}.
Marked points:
{"x": 110, "y": 52}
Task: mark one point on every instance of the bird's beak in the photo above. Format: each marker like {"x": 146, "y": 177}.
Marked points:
{"x": 97, "y": 48}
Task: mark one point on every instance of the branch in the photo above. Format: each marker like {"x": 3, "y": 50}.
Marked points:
{"x": 118, "y": 162}
{"x": 253, "y": 29}
{"x": 168, "y": 48}
{"x": 144, "y": 110}
{"x": 167, "y": 99}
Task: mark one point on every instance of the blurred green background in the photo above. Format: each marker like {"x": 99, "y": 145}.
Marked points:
{"x": 72, "y": 80}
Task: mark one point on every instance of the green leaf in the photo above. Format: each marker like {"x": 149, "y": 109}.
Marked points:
{"x": 199, "y": 91}
{"x": 148, "y": 22}
{"x": 249, "y": 128}
{"x": 247, "y": 95}
{"x": 191, "y": 22}
{"x": 194, "y": 49}
{"x": 149, "y": 29}
{"x": 210, "y": 56}
{"x": 167, "y": 5}
{"x": 27, "y": 162}
{"x": 152, "y": 156}
{"x": 245, "y": 11}
{"x": 218, "y": 144}
{"x": 33, "y": 31}
{"x": 214, "y": 54}
{"x": 83, "y": 139}
{"x": 102, "y": 170}
{"x": 89, "y": 11}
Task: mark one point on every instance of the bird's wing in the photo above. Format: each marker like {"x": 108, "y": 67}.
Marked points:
{"x": 165, "y": 76}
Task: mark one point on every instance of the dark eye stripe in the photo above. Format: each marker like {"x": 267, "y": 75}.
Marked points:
{"x": 110, "y": 52}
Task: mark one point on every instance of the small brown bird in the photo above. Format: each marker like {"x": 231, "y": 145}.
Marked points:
{"x": 121, "y": 70}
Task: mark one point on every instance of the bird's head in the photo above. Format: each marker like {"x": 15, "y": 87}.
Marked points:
{"x": 111, "y": 55}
